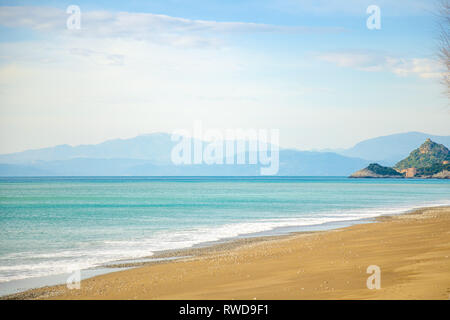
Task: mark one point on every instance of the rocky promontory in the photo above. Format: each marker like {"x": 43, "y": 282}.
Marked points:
{"x": 375, "y": 170}
{"x": 430, "y": 161}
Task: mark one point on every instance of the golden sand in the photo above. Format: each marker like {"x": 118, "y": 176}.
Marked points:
{"x": 411, "y": 250}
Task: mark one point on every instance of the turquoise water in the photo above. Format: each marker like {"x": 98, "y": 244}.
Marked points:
{"x": 50, "y": 226}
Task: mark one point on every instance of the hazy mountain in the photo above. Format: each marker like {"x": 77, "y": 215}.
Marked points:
{"x": 292, "y": 163}
{"x": 13, "y": 170}
{"x": 390, "y": 149}
{"x": 308, "y": 163}
{"x": 155, "y": 147}
{"x": 150, "y": 155}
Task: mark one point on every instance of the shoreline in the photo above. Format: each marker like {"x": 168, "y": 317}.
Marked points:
{"x": 219, "y": 255}
{"x": 16, "y": 287}
{"x": 165, "y": 256}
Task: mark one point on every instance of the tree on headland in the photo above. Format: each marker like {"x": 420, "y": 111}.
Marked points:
{"x": 444, "y": 40}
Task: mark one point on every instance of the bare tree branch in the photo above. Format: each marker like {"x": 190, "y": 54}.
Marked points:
{"x": 444, "y": 40}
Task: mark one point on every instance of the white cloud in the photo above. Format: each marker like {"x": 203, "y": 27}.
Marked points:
{"x": 356, "y": 7}
{"x": 37, "y": 18}
{"x": 141, "y": 26}
{"x": 105, "y": 82}
{"x": 99, "y": 57}
{"x": 378, "y": 62}
{"x": 425, "y": 68}
{"x": 89, "y": 90}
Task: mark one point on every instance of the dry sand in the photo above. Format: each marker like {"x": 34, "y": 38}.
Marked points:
{"x": 412, "y": 251}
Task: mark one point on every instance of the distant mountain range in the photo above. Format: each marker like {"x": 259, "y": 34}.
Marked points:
{"x": 150, "y": 155}
{"x": 155, "y": 147}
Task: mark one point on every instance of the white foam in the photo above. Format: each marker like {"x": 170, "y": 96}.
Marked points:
{"x": 60, "y": 262}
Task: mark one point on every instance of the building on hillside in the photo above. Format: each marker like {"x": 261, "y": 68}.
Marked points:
{"x": 409, "y": 173}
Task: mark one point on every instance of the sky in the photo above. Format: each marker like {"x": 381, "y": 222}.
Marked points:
{"x": 310, "y": 68}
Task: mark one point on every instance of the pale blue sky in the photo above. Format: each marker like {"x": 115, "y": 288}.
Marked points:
{"x": 310, "y": 68}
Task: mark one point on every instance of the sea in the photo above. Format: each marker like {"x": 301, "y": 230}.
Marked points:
{"x": 50, "y": 226}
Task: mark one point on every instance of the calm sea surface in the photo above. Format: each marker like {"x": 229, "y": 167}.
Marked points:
{"x": 49, "y": 226}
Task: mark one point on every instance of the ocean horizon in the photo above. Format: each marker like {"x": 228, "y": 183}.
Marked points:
{"x": 51, "y": 225}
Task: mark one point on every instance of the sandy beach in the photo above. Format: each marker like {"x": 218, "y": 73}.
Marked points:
{"x": 412, "y": 251}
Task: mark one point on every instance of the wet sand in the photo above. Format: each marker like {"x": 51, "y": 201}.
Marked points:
{"x": 412, "y": 251}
